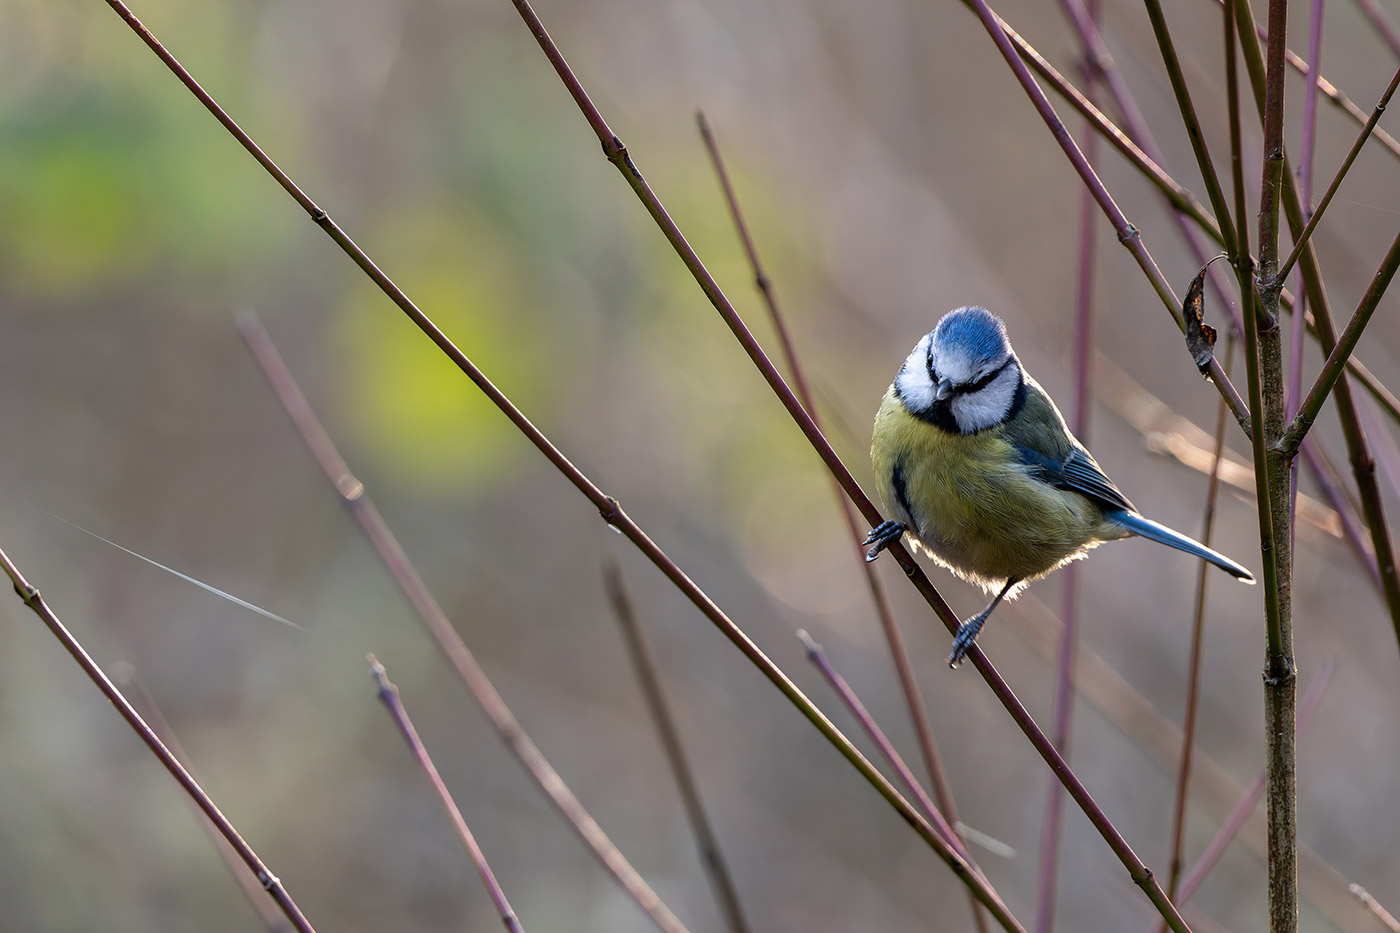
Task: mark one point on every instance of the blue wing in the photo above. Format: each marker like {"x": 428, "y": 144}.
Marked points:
{"x": 1077, "y": 473}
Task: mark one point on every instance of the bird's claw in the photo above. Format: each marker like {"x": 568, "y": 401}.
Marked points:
{"x": 882, "y": 536}
{"x": 965, "y": 638}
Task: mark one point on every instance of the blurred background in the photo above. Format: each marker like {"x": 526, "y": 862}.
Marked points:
{"x": 891, "y": 169}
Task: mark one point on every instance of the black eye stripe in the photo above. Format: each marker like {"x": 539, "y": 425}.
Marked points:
{"x": 985, "y": 381}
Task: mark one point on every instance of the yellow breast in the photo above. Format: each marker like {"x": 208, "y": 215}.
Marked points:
{"x": 973, "y": 504}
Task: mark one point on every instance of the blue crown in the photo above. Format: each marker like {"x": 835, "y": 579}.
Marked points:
{"x": 980, "y": 332}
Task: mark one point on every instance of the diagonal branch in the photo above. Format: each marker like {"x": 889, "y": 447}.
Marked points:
{"x": 1192, "y": 124}
{"x": 904, "y": 670}
{"x": 1287, "y": 265}
{"x": 612, "y": 511}
{"x": 389, "y": 696}
{"x": 376, "y": 530}
{"x": 1341, "y": 351}
{"x": 270, "y": 882}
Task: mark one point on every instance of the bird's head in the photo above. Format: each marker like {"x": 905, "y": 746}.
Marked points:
{"x": 963, "y": 375}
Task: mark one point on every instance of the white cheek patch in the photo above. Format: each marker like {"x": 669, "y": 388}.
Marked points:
{"x": 988, "y": 406}
{"x": 913, "y": 382}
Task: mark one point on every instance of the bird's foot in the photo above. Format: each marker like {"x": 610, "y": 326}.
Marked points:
{"x": 966, "y": 636}
{"x": 882, "y": 536}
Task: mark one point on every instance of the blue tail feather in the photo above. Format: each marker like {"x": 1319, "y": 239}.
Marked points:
{"x": 1147, "y": 528}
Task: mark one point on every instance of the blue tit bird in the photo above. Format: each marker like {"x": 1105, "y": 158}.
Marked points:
{"x": 977, "y": 465}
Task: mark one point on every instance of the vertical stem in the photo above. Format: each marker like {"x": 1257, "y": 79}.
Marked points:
{"x": 1305, "y": 184}
{"x": 1082, "y": 353}
{"x": 1363, "y": 467}
{"x": 1188, "y": 729}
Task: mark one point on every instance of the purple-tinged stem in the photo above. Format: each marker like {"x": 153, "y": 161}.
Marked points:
{"x": 1387, "y": 453}
{"x": 270, "y": 882}
{"x": 376, "y": 531}
{"x": 843, "y": 690}
{"x": 1334, "y": 94}
{"x": 1193, "y": 679}
{"x": 1368, "y": 128}
{"x": 1374, "y": 906}
{"x": 711, "y": 856}
{"x": 904, "y": 670}
{"x": 1097, "y": 64}
{"x": 1382, "y": 25}
{"x": 1329, "y": 481}
{"x": 1305, "y": 185}
{"x": 389, "y": 696}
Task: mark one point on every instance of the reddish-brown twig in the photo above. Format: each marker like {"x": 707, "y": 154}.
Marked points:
{"x": 389, "y": 696}
{"x": 270, "y": 882}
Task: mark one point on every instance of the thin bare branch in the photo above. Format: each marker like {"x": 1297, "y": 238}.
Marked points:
{"x": 145, "y": 704}
{"x": 1335, "y": 365}
{"x": 1097, "y": 62}
{"x": 1192, "y": 124}
{"x": 1334, "y": 95}
{"x": 711, "y": 856}
{"x": 270, "y": 882}
{"x": 376, "y": 530}
{"x": 1193, "y": 680}
{"x": 389, "y": 696}
{"x": 1316, "y": 215}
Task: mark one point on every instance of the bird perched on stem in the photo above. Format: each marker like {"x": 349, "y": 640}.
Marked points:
{"x": 978, "y": 466}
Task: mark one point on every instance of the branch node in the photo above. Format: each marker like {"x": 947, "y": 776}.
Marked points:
{"x": 1289, "y": 673}
{"x": 27, "y": 592}
{"x": 615, "y": 150}
{"x": 612, "y": 513}
{"x": 268, "y": 880}
{"x": 1129, "y": 233}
